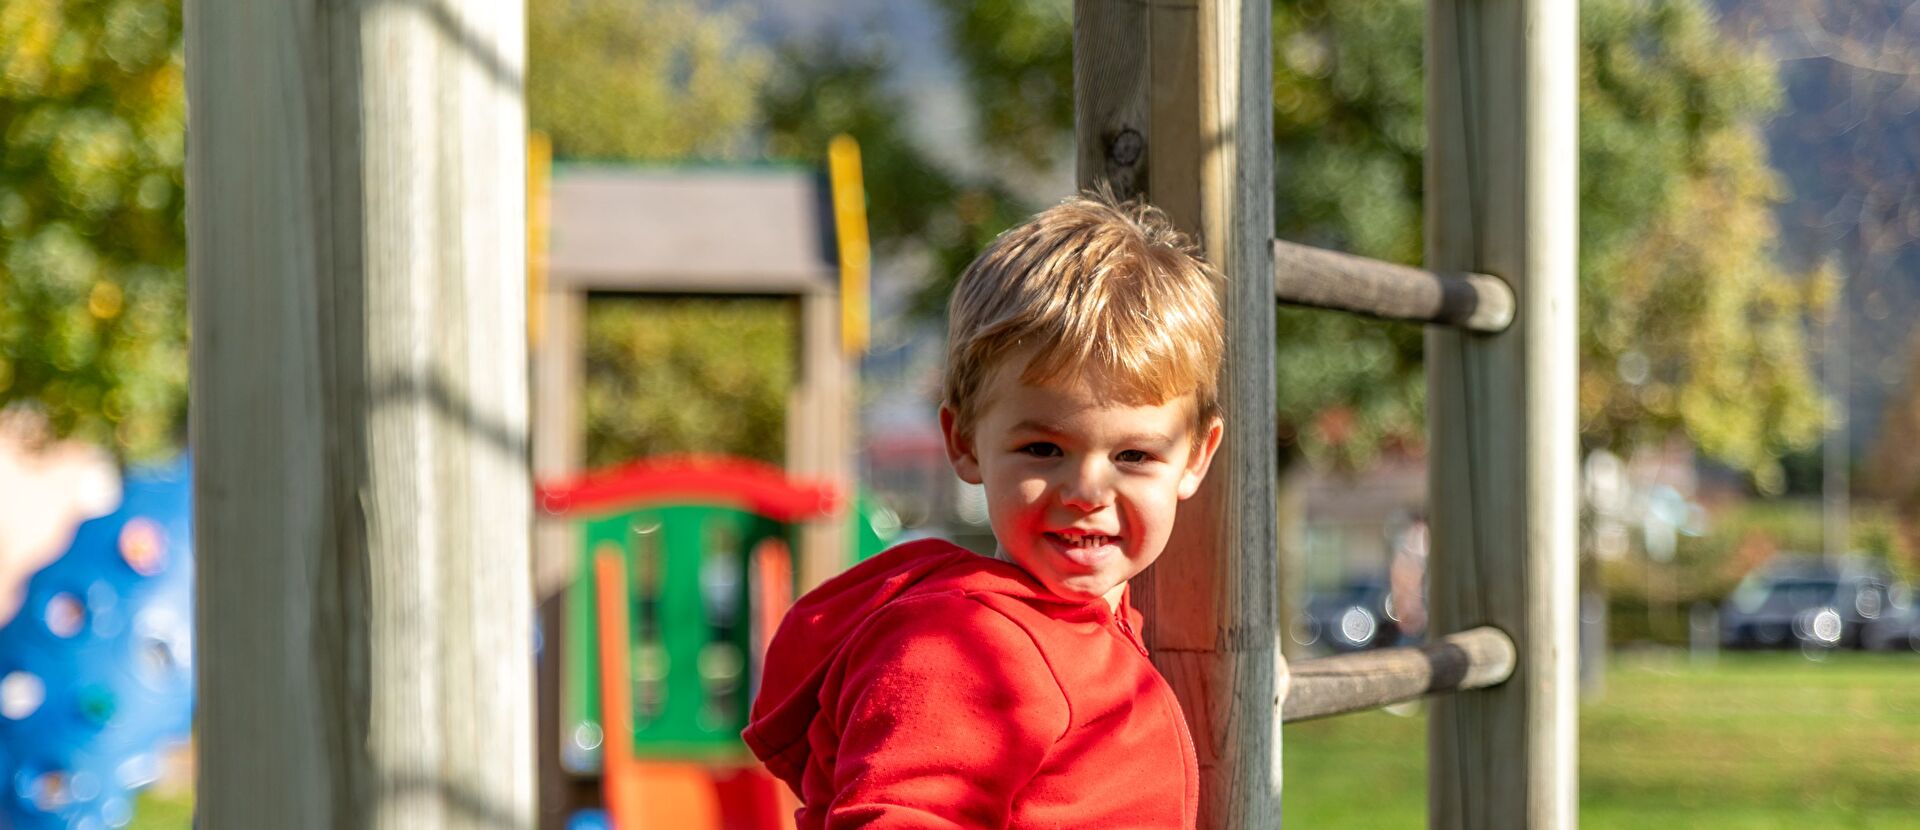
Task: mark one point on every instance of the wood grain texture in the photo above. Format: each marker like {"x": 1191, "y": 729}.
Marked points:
{"x": 1344, "y": 683}
{"x": 1319, "y": 278}
{"x": 1502, "y": 200}
{"x": 1111, "y": 67}
{"x": 356, "y": 262}
{"x": 1199, "y": 74}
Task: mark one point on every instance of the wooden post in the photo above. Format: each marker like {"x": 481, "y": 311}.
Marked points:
{"x": 558, "y": 430}
{"x": 1502, "y": 194}
{"x": 356, "y": 259}
{"x": 820, "y": 430}
{"x": 1174, "y": 101}
{"x": 557, "y": 436}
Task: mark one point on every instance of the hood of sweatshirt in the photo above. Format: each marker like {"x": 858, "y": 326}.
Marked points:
{"x": 822, "y": 623}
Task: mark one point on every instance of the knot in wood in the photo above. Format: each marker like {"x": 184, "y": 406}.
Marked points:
{"x": 1125, "y": 148}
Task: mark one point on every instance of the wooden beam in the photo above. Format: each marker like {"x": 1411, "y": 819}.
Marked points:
{"x": 1173, "y": 101}
{"x": 356, "y": 261}
{"x": 820, "y": 431}
{"x": 1319, "y": 278}
{"x": 558, "y": 436}
{"x": 1364, "y": 680}
{"x": 558, "y": 429}
{"x": 1502, "y": 199}
{"x": 641, "y": 279}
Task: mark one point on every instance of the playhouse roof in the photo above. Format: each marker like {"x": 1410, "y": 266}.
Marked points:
{"x": 721, "y": 230}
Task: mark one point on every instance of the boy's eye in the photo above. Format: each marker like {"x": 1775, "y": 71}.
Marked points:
{"x": 1040, "y": 449}
{"x": 1133, "y": 457}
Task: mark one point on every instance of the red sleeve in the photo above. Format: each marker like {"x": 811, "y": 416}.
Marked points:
{"x": 947, "y": 710}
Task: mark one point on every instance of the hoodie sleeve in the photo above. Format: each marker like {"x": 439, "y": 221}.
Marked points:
{"x": 947, "y": 709}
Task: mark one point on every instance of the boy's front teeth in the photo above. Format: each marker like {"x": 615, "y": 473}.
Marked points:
{"x": 1085, "y": 541}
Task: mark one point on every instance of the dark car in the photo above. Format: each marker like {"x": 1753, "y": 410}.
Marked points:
{"x": 1805, "y": 601}
{"x": 1898, "y": 628}
{"x": 1353, "y": 616}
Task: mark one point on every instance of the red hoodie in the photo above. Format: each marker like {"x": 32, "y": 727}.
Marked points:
{"x": 930, "y": 687}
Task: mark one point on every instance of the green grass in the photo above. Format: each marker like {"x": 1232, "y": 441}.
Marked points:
{"x": 156, "y": 812}
{"x": 1752, "y": 741}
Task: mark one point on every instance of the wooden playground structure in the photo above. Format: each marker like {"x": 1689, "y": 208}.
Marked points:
{"x": 360, "y": 421}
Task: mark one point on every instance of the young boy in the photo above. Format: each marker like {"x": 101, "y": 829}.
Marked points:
{"x": 933, "y": 688}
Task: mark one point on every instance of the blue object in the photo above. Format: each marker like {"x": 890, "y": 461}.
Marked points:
{"x": 590, "y": 820}
{"x": 96, "y": 668}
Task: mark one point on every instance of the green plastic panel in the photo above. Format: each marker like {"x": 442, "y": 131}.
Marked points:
{"x": 689, "y": 624}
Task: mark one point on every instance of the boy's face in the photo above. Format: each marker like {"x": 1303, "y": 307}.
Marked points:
{"x": 1080, "y": 492}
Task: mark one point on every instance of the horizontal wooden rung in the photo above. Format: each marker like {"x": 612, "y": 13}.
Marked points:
{"x": 1472, "y": 659}
{"x": 1319, "y": 278}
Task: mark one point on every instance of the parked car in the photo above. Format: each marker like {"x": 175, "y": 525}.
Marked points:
{"x": 1353, "y": 616}
{"x": 1802, "y": 600}
{"x": 1898, "y": 628}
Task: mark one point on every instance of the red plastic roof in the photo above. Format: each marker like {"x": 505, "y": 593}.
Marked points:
{"x": 752, "y": 486}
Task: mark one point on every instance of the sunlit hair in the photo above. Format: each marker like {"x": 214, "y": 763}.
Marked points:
{"x": 1098, "y": 289}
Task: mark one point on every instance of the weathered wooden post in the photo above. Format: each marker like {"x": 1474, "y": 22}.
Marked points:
{"x": 1173, "y": 101}
{"x": 1502, "y": 199}
{"x": 356, "y": 258}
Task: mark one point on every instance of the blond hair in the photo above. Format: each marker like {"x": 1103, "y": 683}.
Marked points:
{"x": 1097, "y": 288}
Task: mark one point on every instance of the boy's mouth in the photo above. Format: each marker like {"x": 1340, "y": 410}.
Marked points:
{"x": 1085, "y": 549}
{"x": 1072, "y": 538}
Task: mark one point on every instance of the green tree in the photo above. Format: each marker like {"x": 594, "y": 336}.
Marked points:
{"x": 688, "y": 374}
{"x": 1687, "y": 322}
{"x": 915, "y": 204}
{"x": 657, "y": 82}
{"x": 92, "y": 238}
{"x": 640, "y": 80}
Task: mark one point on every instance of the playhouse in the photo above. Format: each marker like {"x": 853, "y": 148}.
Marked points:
{"x": 684, "y": 561}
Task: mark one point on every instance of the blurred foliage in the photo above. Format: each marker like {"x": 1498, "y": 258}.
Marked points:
{"x": 1893, "y": 468}
{"x": 915, "y": 204}
{"x": 653, "y": 81}
{"x": 1687, "y": 322}
{"x": 93, "y": 325}
{"x": 688, "y": 375}
{"x": 1019, "y": 59}
{"x": 640, "y": 80}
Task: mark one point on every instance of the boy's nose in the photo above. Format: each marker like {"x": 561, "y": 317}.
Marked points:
{"x": 1087, "y": 488}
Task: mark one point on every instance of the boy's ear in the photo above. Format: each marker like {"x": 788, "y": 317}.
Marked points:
{"x": 1201, "y": 458}
{"x": 960, "y": 452}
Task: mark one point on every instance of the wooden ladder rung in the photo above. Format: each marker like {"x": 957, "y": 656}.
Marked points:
{"x": 1325, "y": 686}
{"x": 1318, "y": 278}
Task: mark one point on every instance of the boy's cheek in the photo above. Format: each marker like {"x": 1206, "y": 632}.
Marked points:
{"x": 1031, "y": 490}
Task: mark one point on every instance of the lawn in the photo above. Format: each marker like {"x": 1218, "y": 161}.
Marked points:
{"x": 1751, "y": 741}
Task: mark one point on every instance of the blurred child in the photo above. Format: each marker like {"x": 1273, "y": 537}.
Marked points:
{"x": 47, "y": 489}
{"x": 932, "y": 687}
